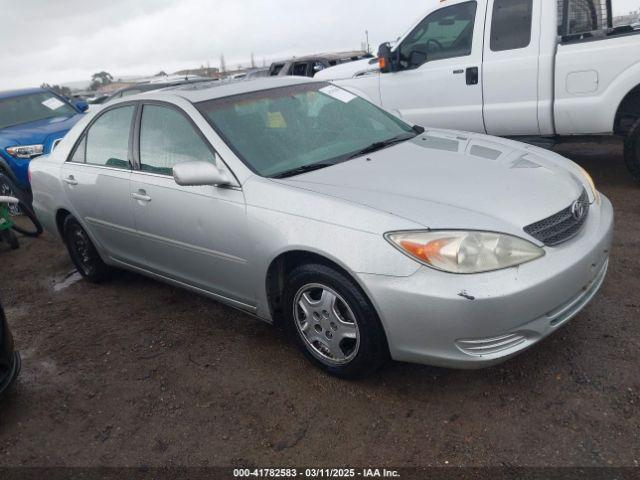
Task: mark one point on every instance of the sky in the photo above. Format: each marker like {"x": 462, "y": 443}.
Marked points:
{"x": 62, "y": 41}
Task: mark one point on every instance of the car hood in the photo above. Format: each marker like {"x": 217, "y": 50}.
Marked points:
{"x": 445, "y": 179}
{"x": 37, "y": 132}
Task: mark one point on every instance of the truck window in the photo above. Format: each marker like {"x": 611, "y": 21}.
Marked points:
{"x": 511, "y": 24}
{"x": 446, "y": 33}
{"x": 299, "y": 69}
{"x": 580, "y": 17}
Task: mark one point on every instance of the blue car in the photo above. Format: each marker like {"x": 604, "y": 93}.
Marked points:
{"x": 32, "y": 121}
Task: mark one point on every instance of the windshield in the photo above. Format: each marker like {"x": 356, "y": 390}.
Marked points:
{"x": 290, "y": 128}
{"x": 33, "y": 107}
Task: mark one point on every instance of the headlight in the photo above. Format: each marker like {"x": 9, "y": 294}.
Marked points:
{"x": 592, "y": 185}
{"x": 465, "y": 252}
{"x": 25, "y": 151}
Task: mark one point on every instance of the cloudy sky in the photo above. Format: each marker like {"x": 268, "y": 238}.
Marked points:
{"x": 58, "y": 41}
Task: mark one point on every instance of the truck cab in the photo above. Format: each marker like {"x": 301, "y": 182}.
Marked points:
{"x": 510, "y": 68}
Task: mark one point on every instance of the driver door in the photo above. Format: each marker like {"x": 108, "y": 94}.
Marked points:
{"x": 439, "y": 81}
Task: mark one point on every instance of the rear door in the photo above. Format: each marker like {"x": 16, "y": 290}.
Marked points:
{"x": 439, "y": 80}
{"x": 96, "y": 181}
{"x": 510, "y": 69}
{"x": 193, "y": 235}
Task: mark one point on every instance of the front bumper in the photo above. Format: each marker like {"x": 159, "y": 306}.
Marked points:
{"x": 473, "y": 321}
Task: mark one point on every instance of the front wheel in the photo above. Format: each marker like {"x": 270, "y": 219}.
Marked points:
{"x": 83, "y": 253}
{"x": 333, "y": 322}
{"x": 632, "y": 150}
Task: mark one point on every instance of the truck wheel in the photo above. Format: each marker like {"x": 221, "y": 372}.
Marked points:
{"x": 632, "y": 150}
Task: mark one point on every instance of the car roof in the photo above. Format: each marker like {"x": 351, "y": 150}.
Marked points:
{"x": 200, "y": 92}
{"x": 20, "y": 92}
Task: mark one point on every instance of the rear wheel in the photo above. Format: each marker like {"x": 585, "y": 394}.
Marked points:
{"x": 22, "y": 215}
{"x": 334, "y": 324}
{"x": 632, "y": 150}
{"x": 83, "y": 253}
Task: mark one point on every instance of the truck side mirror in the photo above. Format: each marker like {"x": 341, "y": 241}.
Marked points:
{"x": 385, "y": 58}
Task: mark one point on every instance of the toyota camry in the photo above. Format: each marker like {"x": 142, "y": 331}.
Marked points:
{"x": 299, "y": 202}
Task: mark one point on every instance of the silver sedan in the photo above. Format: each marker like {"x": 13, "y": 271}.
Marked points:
{"x": 297, "y": 201}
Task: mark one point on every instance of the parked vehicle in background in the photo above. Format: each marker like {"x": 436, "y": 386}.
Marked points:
{"x": 309, "y": 65}
{"x": 294, "y": 199}
{"x": 32, "y": 122}
{"x": 97, "y": 99}
{"x": 257, "y": 73}
{"x": 151, "y": 86}
{"x": 9, "y": 357}
{"x": 512, "y": 68}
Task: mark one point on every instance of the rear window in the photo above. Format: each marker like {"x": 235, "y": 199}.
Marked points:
{"x": 511, "y": 24}
{"x": 31, "y": 108}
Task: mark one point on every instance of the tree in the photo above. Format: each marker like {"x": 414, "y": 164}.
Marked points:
{"x": 223, "y": 65}
{"x": 161, "y": 73}
{"x": 64, "y": 91}
{"x": 253, "y": 61}
{"x": 100, "y": 79}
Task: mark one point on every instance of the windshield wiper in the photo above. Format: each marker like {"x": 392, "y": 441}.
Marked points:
{"x": 374, "y": 147}
{"x": 303, "y": 169}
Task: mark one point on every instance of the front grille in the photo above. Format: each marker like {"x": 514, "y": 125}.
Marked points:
{"x": 563, "y": 225}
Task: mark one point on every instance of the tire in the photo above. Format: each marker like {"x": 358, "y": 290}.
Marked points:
{"x": 346, "y": 341}
{"x": 632, "y": 150}
{"x": 83, "y": 253}
{"x": 11, "y": 239}
{"x": 24, "y": 218}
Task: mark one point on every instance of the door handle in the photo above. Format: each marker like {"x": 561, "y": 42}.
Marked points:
{"x": 473, "y": 76}
{"x": 141, "y": 195}
{"x": 70, "y": 180}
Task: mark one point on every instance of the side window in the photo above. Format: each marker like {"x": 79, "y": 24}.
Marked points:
{"x": 108, "y": 138}
{"x": 79, "y": 152}
{"x": 299, "y": 69}
{"x": 168, "y": 138}
{"x": 511, "y": 24}
{"x": 446, "y": 33}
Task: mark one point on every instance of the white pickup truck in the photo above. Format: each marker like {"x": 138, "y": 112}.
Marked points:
{"x": 534, "y": 68}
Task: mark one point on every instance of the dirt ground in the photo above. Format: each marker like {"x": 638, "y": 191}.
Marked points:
{"x": 135, "y": 372}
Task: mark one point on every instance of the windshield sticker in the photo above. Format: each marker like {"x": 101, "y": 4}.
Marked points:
{"x": 338, "y": 93}
{"x": 53, "y": 103}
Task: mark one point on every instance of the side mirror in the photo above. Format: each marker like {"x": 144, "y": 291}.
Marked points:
{"x": 385, "y": 58}
{"x": 81, "y": 105}
{"x": 191, "y": 174}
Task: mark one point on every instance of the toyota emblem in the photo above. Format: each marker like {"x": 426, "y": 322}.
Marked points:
{"x": 577, "y": 210}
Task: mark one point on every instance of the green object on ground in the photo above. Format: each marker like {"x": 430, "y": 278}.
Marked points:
{"x": 5, "y": 219}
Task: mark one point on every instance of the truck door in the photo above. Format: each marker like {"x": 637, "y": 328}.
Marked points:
{"x": 438, "y": 79}
{"x": 510, "y": 68}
